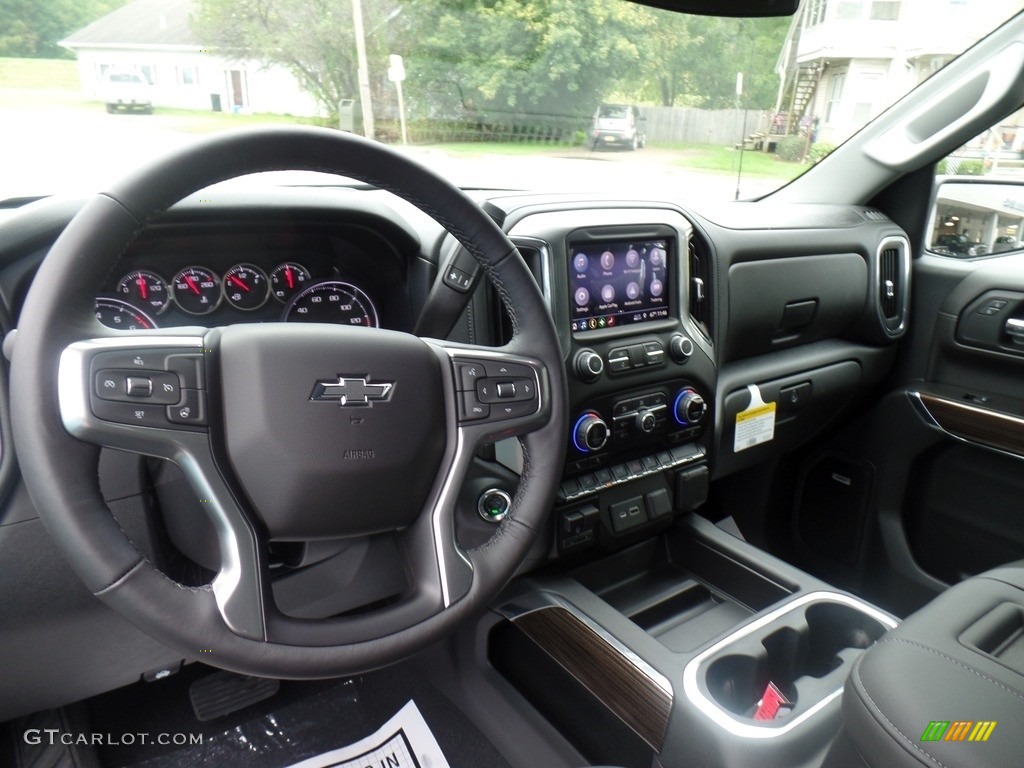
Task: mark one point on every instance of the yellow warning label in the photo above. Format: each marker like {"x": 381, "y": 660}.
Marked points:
{"x": 754, "y": 426}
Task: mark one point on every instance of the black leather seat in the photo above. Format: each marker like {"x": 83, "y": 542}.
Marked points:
{"x": 928, "y": 693}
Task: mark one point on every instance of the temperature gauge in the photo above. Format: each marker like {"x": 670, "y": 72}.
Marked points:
{"x": 287, "y": 280}
{"x": 146, "y": 290}
{"x": 196, "y": 290}
{"x": 245, "y": 287}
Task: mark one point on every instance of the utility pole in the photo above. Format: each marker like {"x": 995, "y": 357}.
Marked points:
{"x": 363, "y": 69}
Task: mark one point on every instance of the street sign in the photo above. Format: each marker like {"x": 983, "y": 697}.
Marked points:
{"x": 396, "y": 70}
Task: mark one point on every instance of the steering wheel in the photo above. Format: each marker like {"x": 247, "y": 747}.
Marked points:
{"x": 285, "y": 432}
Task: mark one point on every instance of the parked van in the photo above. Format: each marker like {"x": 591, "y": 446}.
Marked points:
{"x": 617, "y": 125}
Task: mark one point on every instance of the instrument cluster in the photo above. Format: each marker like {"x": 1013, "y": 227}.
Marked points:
{"x": 293, "y": 290}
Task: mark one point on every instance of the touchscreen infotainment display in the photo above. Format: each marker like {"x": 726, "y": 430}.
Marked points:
{"x": 618, "y": 283}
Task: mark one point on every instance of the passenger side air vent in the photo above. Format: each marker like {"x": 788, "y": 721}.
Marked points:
{"x": 893, "y": 287}
{"x": 873, "y": 214}
{"x": 699, "y": 296}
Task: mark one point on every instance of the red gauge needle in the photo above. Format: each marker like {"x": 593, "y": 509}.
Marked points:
{"x": 143, "y": 290}
{"x": 238, "y": 282}
{"x": 289, "y": 277}
{"x": 191, "y": 283}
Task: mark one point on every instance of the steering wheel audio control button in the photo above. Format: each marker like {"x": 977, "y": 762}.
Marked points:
{"x": 469, "y": 374}
{"x": 512, "y": 410}
{"x": 505, "y": 390}
{"x": 471, "y": 409}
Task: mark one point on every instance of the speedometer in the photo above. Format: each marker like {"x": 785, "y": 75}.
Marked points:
{"x": 332, "y": 301}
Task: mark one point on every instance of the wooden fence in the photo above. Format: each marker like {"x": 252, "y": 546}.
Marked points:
{"x": 703, "y": 126}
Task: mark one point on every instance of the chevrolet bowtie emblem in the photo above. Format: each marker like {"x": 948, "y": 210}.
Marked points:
{"x": 352, "y": 392}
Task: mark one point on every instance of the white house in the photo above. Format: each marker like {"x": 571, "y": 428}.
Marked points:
{"x": 845, "y": 61}
{"x": 155, "y": 39}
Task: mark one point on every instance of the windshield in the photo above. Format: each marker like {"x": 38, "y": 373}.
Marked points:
{"x": 557, "y": 95}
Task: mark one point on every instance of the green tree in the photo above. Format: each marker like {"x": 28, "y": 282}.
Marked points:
{"x": 700, "y": 56}
{"x": 32, "y": 28}
{"x": 312, "y": 38}
{"x": 532, "y": 57}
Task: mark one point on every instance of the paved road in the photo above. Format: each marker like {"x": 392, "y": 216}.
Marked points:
{"x": 57, "y": 144}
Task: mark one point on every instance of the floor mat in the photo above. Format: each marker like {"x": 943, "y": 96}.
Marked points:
{"x": 404, "y": 741}
{"x": 303, "y": 720}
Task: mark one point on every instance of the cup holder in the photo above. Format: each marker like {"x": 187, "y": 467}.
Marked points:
{"x": 806, "y": 652}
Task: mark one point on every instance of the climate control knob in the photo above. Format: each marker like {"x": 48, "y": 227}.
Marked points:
{"x": 589, "y": 365}
{"x": 590, "y": 433}
{"x": 689, "y": 408}
{"x": 646, "y": 421}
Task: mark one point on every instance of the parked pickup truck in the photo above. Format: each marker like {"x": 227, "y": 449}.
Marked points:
{"x": 128, "y": 91}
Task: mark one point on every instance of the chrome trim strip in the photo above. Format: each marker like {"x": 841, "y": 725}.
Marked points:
{"x": 727, "y": 720}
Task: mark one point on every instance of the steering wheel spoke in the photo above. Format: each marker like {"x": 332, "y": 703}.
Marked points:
{"x": 147, "y": 394}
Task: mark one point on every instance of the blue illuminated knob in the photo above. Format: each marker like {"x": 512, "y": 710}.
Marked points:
{"x": 689, "y": 407}
{"x": 590, "y": 433}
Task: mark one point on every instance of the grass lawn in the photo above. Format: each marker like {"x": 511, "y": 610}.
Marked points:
{"x": 481, "y": 148}
{"x": 709, "y": 157}
{"x": 61, "y": 74}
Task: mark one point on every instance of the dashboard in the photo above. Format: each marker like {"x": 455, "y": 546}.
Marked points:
{"x": 675, "y": 326}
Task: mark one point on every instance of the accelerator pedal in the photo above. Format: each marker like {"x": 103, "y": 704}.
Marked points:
{"x": 222, "y": 693}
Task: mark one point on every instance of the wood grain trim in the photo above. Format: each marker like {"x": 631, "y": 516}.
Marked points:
{"x": 627, "y": 690}
{"x": 994, "y": 429}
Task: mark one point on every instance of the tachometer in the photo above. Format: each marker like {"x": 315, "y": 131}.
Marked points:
{"x": 196, "y": 290}
{"x": 121, "y": 315}
{"x": 144, "y": 289}
{"x": 245, "y": 287}
{"x": 332, "y": 301}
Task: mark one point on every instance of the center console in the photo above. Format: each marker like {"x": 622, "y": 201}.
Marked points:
{"x": 692, "y": 648}
{"x": 640, "y": 371}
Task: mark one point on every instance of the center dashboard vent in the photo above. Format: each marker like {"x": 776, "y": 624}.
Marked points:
{"x": 893, "y": 286}
{"x": 534, "y": 253}
{"x": 699, "y": 296}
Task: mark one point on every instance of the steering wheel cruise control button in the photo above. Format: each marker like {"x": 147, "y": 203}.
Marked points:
{"x": 138, "y": 414}
{"x": 139, "y": 386}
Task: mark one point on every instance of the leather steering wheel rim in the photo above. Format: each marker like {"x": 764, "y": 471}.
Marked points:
{"x": 60, "y": 470}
